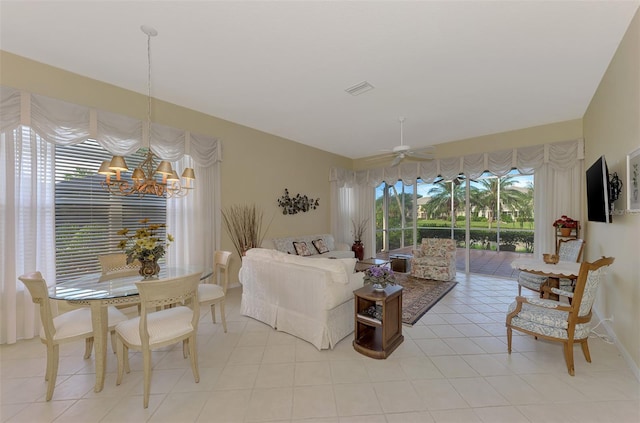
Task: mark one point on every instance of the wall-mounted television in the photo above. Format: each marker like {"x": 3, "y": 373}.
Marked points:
{"x": 598, "y": 199}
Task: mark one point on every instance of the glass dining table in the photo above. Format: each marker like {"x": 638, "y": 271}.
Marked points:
{"x": 92, "y": 290}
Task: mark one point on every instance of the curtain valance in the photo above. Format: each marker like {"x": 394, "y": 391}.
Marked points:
{"x": 65, "y": 123}
{"x": 559, "y": 156}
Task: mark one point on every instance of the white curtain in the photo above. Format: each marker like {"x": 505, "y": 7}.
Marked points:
{"x": 27, "y": 222}
{"x": 557, "y": 192}
{"x": 351, "y": 203}
{"x": 30, "y": 126}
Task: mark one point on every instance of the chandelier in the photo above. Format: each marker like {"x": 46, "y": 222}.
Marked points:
{"x": 153, "y": 176}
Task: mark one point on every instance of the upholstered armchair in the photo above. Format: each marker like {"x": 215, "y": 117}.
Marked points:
{"x": 435, "y": 259}
{"x": 559, "y": 321}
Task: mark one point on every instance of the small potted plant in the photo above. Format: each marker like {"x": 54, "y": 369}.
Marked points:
{"x": 379, "y": 277}
{"x": 565, "y": 224}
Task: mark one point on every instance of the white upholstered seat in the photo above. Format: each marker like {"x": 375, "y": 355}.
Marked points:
{"x": 158, "y": 328}
{"x": 558, "y": 321}
{"x": 214, "y": 293}
{"x": 66, "y": 327}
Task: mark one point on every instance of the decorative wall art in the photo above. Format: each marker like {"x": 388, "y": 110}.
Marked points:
{"x": 299, "y": 203}
{"x": 633, "y": 180}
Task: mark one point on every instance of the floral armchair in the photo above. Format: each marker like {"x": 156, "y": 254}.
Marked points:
{"x": 559, "y": 321}
{"x": 436, "y": 259}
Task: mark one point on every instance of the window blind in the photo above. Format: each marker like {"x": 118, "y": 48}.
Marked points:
{"x": 87, "y": 217}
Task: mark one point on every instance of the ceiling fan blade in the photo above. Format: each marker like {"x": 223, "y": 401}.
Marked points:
{"x": 420, "y": 156}
{"x": 379, "y": 157}
{"x": 397, "y": 160}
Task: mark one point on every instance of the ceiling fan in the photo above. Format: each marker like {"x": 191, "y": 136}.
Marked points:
{"x": 402, "y": 152}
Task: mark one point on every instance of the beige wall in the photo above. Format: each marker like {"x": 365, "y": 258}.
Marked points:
{"x": 612, "y": 128}
{"x": 256, "y": 166}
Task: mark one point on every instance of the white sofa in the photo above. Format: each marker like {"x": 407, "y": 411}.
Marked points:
{"x": 310, "y": 299}
{"x": 285, "y": 245}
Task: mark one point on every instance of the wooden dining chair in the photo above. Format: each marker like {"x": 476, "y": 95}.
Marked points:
{"x": 158, "y": 328}
{"x": 67, "y": 327}
{"x": 214, "y": 293}
{"x": 558, "y": 321}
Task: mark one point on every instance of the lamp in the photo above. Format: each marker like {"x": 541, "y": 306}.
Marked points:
{"x": 143, "y": 179}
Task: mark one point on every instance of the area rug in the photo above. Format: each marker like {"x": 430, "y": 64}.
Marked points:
{"x": 419, "y": 295}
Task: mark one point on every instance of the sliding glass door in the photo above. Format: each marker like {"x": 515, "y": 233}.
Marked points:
{"x": 498, "y": 218}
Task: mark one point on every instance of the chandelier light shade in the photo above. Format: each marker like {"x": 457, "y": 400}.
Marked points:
{"x": 153, "y": 176}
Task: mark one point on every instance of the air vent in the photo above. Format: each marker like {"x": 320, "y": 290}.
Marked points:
{"x": 360, "y": 88}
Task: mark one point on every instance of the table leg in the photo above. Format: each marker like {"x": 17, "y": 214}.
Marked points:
{"x": 551, "y": 283}
{"x": 99, "y": 320}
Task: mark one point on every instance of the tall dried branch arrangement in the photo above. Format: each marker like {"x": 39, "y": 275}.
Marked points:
{"x": 244, "y": 226}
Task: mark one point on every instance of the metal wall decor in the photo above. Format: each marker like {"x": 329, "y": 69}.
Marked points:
{"x": 299, "y": 203}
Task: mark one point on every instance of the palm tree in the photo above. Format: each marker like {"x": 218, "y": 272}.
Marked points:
{"x": 486, "y": 194}
{"x": 524, "y": 205}
{"x": 439, "y": 204}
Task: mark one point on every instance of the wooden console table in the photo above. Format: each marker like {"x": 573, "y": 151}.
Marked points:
{"x": 378, "y": 337}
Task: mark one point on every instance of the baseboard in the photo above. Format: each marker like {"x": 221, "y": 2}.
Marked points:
{"x": 612, "y": 335}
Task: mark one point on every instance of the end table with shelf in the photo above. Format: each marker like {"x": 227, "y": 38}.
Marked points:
{"x": 378, "y": 337}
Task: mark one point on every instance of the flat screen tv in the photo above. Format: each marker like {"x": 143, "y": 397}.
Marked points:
{"x": 598, "y": 203}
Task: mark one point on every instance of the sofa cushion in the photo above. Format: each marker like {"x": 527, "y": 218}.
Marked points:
{"x": 301, "y": 248}
{"x": 285, "y": 244}
{"x": 320, "y": 245}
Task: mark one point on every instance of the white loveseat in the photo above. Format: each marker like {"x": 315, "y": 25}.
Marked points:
{"x": 310, "y": 299}
{"x": 285, "y": 245}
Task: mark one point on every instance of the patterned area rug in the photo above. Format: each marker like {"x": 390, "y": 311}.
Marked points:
{"x": 419, "y": 295}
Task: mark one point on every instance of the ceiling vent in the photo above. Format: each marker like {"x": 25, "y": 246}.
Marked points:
{"x": 360, "y": 88}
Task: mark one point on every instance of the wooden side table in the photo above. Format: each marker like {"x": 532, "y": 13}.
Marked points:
{"x": 378, "y": 337}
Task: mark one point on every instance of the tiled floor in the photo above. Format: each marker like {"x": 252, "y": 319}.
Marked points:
{"x": 452, "y": 367}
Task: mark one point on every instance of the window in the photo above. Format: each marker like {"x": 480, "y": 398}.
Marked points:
{"x": 87, "y": 217}
{"x": 500, "y": 214}
{"x": 394, "y": 216}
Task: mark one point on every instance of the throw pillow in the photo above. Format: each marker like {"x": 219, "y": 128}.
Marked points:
{"x": 301, "y": 248}
{"x": 320, "y": 246}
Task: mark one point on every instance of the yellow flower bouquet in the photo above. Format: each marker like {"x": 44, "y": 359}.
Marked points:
{"x": 145, "y": 244}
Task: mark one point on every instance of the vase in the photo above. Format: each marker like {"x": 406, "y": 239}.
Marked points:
{"x": 149, "y": 269}
{"x": 377, "y": 287}
{"x": 358, "y": 249}
{"x": 565, "y": 231}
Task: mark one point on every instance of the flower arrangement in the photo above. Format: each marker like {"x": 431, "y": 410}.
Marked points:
{"x": 565, "y": 222}
{"x": 144, "y": 244}
{"x": 379, "y": 276}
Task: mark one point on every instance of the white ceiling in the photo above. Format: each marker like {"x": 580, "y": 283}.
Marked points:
{"x": 453, "y": 69}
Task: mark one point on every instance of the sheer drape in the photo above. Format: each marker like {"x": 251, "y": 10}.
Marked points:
{"x": 27, "y": 225}
{"x": 30, "y": 126}
{"x": 558, "y": 171}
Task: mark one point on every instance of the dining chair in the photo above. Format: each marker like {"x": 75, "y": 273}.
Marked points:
{"x": 67, "y": 327}
{"x": 567, "y": 250}
{"x": 213, "y": 293}
{"x": 558, "y": 321}
{"x": 115, "y": 264}
{"x": 158, "y": 327}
